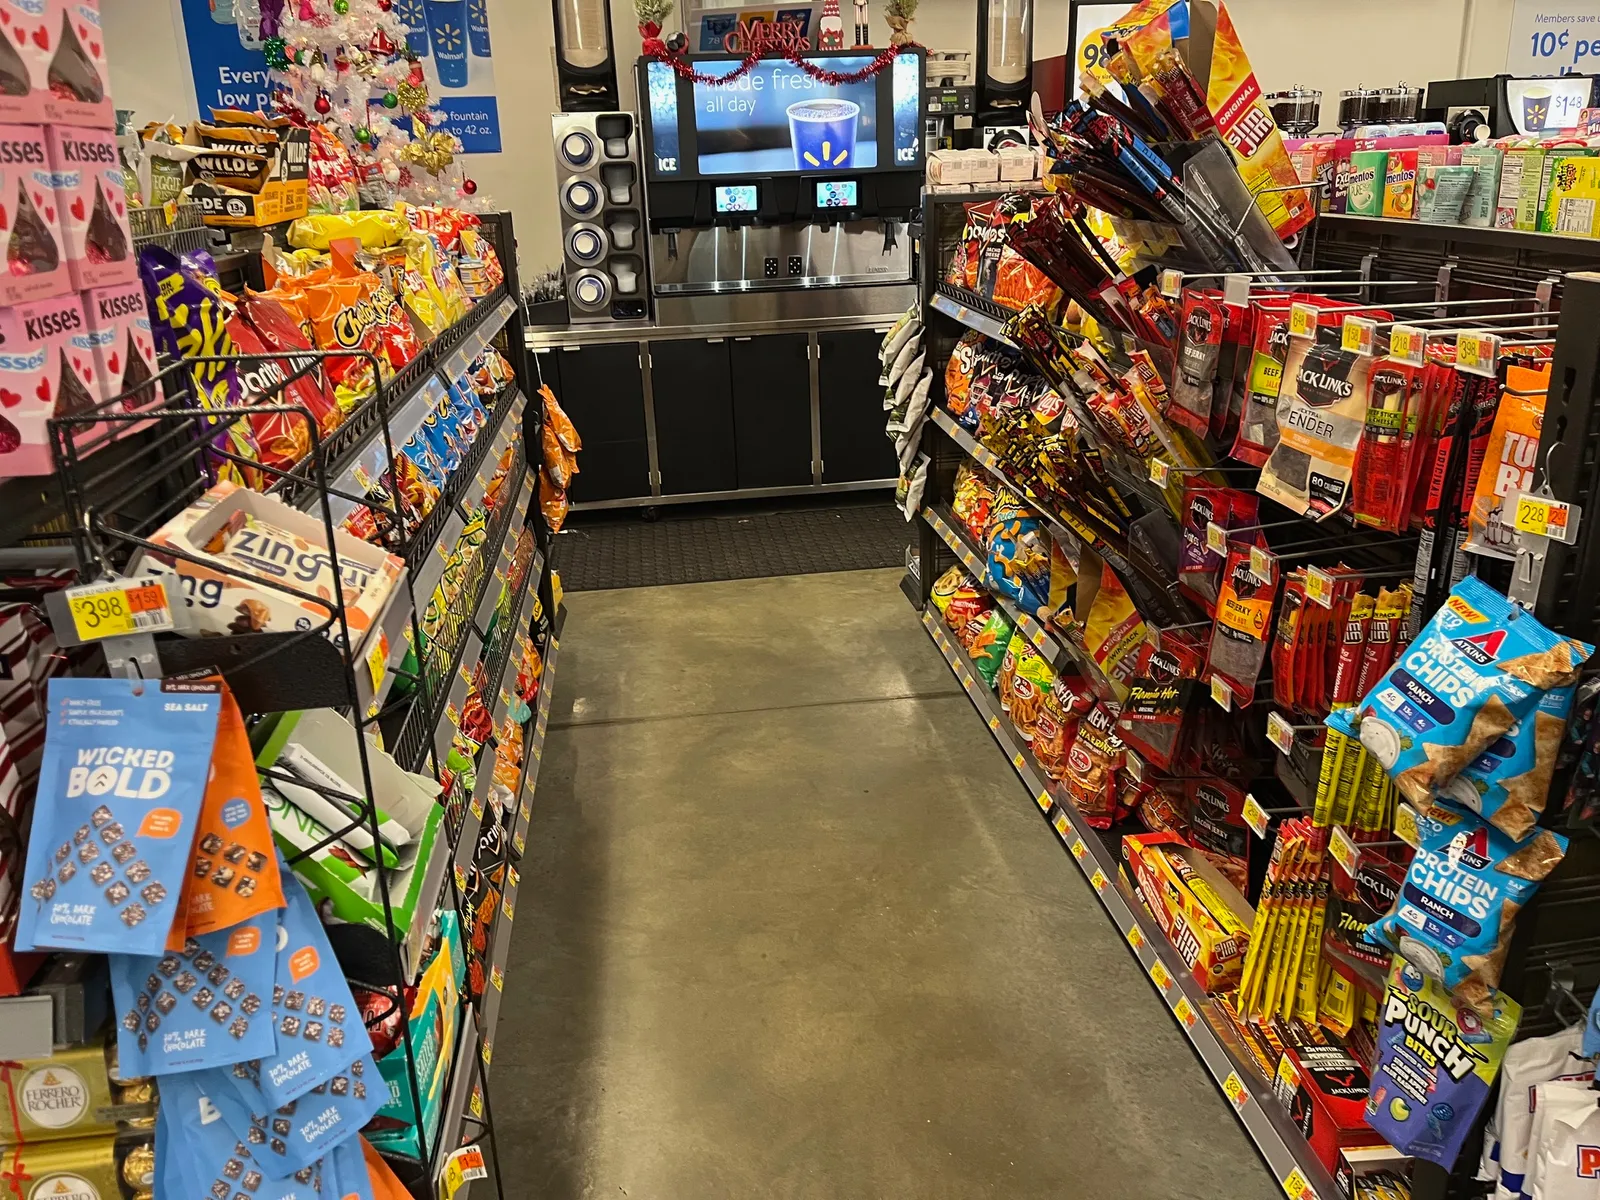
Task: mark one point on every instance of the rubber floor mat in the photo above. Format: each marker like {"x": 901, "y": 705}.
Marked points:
{"x": 603, "y": 552}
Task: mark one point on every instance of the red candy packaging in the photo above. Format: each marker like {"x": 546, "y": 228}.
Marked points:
{"x": 92, "y": 205}
{"x": 47, "y": 369}
{"x": 77, "y": 74}
{"x": 30, "y": 225}
{"x": 282, "y": 438}
{"x": 24, "y": 60}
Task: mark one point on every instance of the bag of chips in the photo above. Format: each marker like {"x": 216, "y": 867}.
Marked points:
{"x": 1032, "y": 680}
{"x": 553, "y": 504}
{"x": 331, "y": 186}
{"x": 1093, "y": 764}
{"x": 987, "y": 648}
{"x": 119, "y": 797}
{"x": 1064, "y": 706}
{"x": 1019, "y": 555}
{"x": 1113, "y": 630}
{"x": 970, "y": 351}
{"x": 1437, "y": 1062}
{"x": 200, "y": 1006}
{"x": 278, "y": 329}
{"x": 1457, "y": 908}
{"x": 1478, "y": 667}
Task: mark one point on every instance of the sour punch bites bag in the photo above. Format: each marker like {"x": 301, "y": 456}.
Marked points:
{"x": 1460, "y": 898}
{"x": 203, "y": 1006}
{"x": 1476, "y": 669}
{"x": 120, "y": 790}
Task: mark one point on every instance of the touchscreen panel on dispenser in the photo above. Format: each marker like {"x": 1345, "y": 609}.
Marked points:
{"x": 838, "y": 193}
{"x": 737, "y": 198}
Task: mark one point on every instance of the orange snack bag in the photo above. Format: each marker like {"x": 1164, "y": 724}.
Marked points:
{"x": 1509, "y": 460}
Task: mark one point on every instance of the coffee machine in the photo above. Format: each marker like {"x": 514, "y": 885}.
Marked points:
{"x": 778, "y": 194}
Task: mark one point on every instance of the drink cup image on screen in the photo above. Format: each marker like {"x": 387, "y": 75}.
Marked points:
{"x": 823, "y": 133}
{"x": 1535, "y": 108}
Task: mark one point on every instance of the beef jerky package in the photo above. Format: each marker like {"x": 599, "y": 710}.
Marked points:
{"x": 319, "y": 1026}
{"x": 1258, "y": 423}
{"x": 1321, "y": 414}
{"x": 1287, "y": 644}
{"x": 1360, "y": 900}
{"x": 1480, "y": 666}
{"x": 1384, "y": 461}
{"x": 1233, "y": 371}
{"x": 1199, "y": 566}
{"x": 119, "y": 796}
{"x": 1485, "y": 396}
{"x": 202, "y": 1006}
{"x": 1243, "y": 624}
{"x": 1458, "y": 906}
{"x": 1195, "y": 384}
{"x": 1437, "y": 1062}
{"x": 1217, "y": 828}
{"x": 1164, "y": 687}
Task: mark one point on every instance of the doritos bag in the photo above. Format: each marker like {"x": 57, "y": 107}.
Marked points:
{"x": 279, "y": 329}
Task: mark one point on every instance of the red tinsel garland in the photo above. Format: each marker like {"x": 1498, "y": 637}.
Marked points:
{"x": 685, "y": 70}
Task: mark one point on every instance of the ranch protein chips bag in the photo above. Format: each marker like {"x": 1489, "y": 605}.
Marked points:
{"x": 124, "y": 772}
{"x": 1437, "y": 1061}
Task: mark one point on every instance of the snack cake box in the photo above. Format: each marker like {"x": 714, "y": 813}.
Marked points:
{"x": 285, "y": 544}
{"x": 77, "y": 79}
{"x": 30, "y": 224}
{"x": 48, "y": 368}
{"x": 93, "y": 206}
{"x": 124, "y": 345}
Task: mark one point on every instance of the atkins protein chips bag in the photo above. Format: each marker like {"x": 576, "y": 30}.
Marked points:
{"x": 124, "y": 772}
{"x": 1437, "y": 1062}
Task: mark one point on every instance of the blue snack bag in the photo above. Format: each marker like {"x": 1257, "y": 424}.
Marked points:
{"x": 318, "y": 1022}
{"x": 1478, "y": 667}
{"x": 344, "y": 1172}
{"x": 1458, "y": 904}
{"x": 469, "y": 405}
{"x": 120, "y": 789}
{"x": 442, "y": 439}
{"x": 295, "y": 1135}
{"x": 1508, "y": 783}
{"x": 1437, "y": 1062}
{"x": 205, "y": 1005}
{"x": 213, "y": 1161}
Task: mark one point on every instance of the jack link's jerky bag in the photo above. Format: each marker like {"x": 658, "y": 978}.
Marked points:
{"x": 1437, "y": 1061}
{"x": 1194, "y": 383}
{"x": 1459, "y": 902}
{"x": 1478, "y": 667}
{"x": 119, "y": 796}
{"x": 203, "y": 1006}
{"x": 1322, "y": 411}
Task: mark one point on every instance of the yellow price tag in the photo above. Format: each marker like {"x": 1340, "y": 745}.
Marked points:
{"x": 518, "y": 842}
{"x": 1171, "y": 283}
{"x": 476, "y": 807}
{"x": 476, "y": 1106}
{"x": 488, "y": 1052}
{"x": 1477, "y": 353}
{"x": 1255, "y": 817}
{"x": 461, "y": 878}
{"x": 525, "y": 811}
{"x": 1233, "y": 1088}
{"x": 1319, "y": 586}
{"x": 1407, "y": 344}
{"x": 1405, "y": 825}
{"x": 1220, "y": 693}
{"x": 1079, "y": 850}
{"x": 994, "y": 724}
{"x": 1063, "y": 827}
{"x": 1044, "y": 801}
{"x": 1280, "y": 733}
{"x": 1554, "y": 519}
{"x": 507, "y": 909}
{"x": 1357, "y": 335}
{"x": 463, "y": 1165}
{"x": 118, "y": 608}
{"x": 1216, "y": 538}
{"x": 1261, "y": 564}
{"x": 1098, "y": 880}
{"x": 1135, "y": 937}
{"x": 1160, "y": 472}
{"x": 1296, "y": 1187}
{"x": 1344, "y": 850}
{"x": 378, "y": 659}
{"x": 1160, "y": 976}
{"x": 1303, "y": 320}
{"x": 497, "y": 979}
{"x": 1017, "y": 760}
{"x": 1185, "y": 1012}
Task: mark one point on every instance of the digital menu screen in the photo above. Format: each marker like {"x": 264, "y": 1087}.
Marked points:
{"x": 736, "y": 198}
{"x": 837, "y": 193}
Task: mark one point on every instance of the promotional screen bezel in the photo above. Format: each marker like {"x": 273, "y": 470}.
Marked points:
{"x": 721, "y": 64}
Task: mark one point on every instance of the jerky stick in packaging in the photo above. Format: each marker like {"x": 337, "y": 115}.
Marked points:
{"x": 1258, "y": 425}
{"x": 1243, "y": 623}
{"x": 1285, "y": 642}
{"x": 1352, "y": 648}
{"x": 1389, "y": 428}
{"x": 1378, "y": 654}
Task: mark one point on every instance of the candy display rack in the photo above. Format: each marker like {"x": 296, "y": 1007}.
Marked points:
{"x": 1556, "y": 948}
{"x": 123, "y": 474}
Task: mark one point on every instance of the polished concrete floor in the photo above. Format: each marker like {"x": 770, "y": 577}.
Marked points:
{"x": 789, "y": 927}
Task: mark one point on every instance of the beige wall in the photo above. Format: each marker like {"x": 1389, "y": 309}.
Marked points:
{"x": 1326, "y": 44}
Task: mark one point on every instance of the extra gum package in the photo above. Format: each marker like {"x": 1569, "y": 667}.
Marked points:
{"x": 119, "y": 796}
{"x": 202, "y": 1006}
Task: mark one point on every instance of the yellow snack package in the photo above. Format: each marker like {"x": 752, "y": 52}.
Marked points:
{"x": 374, "y": 230}
{"x": 1114, "y": 631}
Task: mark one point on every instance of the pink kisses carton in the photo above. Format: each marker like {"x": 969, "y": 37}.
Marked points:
{"x": 26, "y": 35}
{"x": 92, "y": 206}
{"x": 32, "y": 264}
{"x": 125, "y": 350}
{"x": 77, "y": 78}
{"x": 47, "y": 369}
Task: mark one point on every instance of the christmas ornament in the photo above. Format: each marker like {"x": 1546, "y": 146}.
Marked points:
{"x": 899, "y": 14}
{"x": 323, "y": 104}
{"x": 390, "y": 100}
{"x": 363, "y": 134}
{"x": 306, "y": 12}
{"x": 275, "y": 49}
{"x": 411, "y": 97}
{"x": 678, "y": 42}
{"x": 414, "y": 76}
{"x": 382, "y": 44}
{"x": 830, "y": 30}
{"x": 469, "y": 186}
{"x": 432, "y": 151}
{"x": 341, "y": 6}
{"x": 385, "y": 5}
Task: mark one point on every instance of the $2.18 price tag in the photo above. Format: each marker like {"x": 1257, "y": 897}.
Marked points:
{"x": 117, "y": 608}
{"x": 1407, "y": 344}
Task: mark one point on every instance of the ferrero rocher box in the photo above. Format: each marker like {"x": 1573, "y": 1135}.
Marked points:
{"x": 75, "y": 1169}
{"x": 67, "y": 1095}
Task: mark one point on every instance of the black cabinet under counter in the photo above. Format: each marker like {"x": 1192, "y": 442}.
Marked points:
{"x": 678, "y": 414}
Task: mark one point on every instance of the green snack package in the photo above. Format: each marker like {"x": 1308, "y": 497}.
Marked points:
{"x": 1368, "y": 172}
{"x": 988, "y": 649}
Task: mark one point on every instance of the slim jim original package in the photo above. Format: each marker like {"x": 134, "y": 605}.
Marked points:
{"x": 119, "y": 797}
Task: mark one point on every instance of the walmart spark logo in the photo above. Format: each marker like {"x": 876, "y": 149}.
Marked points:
{"x": 827, "y": 155}
{"x": 410, "y": 13}
{"x": 447, "y": 39}
{"x": 478, "y": 12}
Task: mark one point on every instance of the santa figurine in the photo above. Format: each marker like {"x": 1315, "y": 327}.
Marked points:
{"x": 830, "y": 30}
{"x": 861, "y": 26}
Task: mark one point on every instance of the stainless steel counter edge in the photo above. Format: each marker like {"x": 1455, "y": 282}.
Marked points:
{"x": 552, "y": 336}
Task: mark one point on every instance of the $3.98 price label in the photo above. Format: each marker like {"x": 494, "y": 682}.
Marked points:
{"x": 118, "y": 608}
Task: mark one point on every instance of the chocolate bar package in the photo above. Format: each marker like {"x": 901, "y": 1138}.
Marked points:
{"x": 119, "y": 795}
{"x": 93, "y": 204}
{"x": 24, "y": 60}
{"x": 49, "y": 369}
{"x": 202, "y": 1006}
{"x": 200, "y": 1156}
{"x": 30, "y": 225}
{"x": 73, "y": 1169}
{"x": 303, "y": 1130}
{"x": 67, "y": 1095}
{"x": 124, "y": 344}
{"x": 77, "y": 76}
{"x": 318, "y": 1023}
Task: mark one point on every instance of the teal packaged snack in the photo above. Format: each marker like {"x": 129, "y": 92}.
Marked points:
{"x": 1477, "y": 668}
{"x": 206, "y": 1005}
{"x": 120, "y": 787}
{"x": 318, "y": 1022}
{"x": 1458, "y": 904}
{"x": 297, "y": 1134}
{"x": 1437, "y": 1062}
{"x": 209, "y": 1159}
{"x": 1508, "y": 783}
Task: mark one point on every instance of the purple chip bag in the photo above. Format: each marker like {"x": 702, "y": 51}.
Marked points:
{"x": 134, "y": 753}
{"x": 1437, "y": 1062}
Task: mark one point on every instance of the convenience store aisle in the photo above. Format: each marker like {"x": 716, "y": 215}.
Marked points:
{"x": 788, "y": 926}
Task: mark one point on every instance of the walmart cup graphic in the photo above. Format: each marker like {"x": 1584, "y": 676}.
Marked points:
{"x": 447, "y": 33}
{"x": 1536, "y": 109}
{"x": 823, "y": 133}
